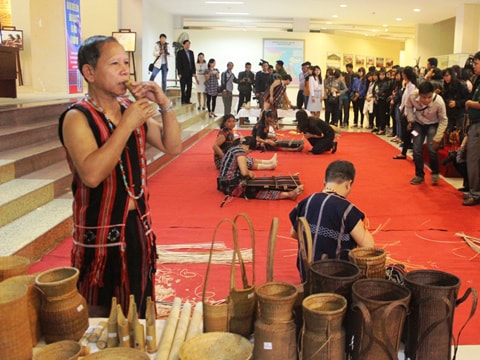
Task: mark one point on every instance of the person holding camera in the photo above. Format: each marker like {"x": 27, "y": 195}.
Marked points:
{"x": 161, "y": 53}
{"x": 245, "y": 81}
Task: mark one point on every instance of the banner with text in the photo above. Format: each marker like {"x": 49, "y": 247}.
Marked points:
{"x": 73, "y": 38}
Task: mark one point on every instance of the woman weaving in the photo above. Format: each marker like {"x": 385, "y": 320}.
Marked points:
{"x": 264, "y": 134}
{"x": 224, "y": 141}
{"x": 234, "y": 176}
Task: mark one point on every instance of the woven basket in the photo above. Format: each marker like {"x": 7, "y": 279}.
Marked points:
{"x": 64, "y": 312}
{"x": 380, "y": 308}
{"x": 333, "y": 276}
{"x": 61, "y": 350}
{"x": 276, "y": 301}
{"x": 275, "y": 341}
{"x": 117, "y": 354}
{"x": 15, "y": 339}
{"x": 216, "y": 345}
{"x": 370, "y": 261}
{"x": 34, "y": 302}
{"x": 12, "y": 266}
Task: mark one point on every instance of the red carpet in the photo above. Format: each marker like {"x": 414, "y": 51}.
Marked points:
{"x": 417, "y": 223}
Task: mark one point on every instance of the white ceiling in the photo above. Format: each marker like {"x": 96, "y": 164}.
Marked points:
{"x": 363, "y": 17}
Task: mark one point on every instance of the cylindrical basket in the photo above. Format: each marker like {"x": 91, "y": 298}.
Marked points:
{"x": 429, "y": 325}
{"x": 60, "y": 350}
{"x": 13, "y": 265}
{"x": 380, "y": 308}
{"x": 15, "y": 339}
{"x": 323, "y": 336}
{"x": 34, "y": 302}
{"x": 274, "y": 341}
{"x": 275, "y": 301}
{"x": 64, "y": 311}
{"x": 370, "y": 261}
{"x": 333, "y": 276}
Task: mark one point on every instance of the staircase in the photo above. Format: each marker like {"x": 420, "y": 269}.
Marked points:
{"x": 35, "y": 197}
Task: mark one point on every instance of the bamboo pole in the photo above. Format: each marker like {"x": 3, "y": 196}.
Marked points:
{"x": 169, "y": 332}
{"x": 181, "y": 332}
{"x": 196, "y": 323}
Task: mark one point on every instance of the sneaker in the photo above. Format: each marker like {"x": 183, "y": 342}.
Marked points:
{"x": 434, "y": 179}
{"x": 334, "y": 147}
{"x": 417, "y": 180}
{"x": 374, "y": 130}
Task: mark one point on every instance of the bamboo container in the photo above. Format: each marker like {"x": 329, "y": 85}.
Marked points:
{"x": 151, "y": 326}
{"x": 97, "y": 331}
{"x": 131, "y": 316}
{"x": 169, "y": 331}
{"x": 181, "y": 331}
{"x": 103, "y": 339}
{"x": 122, "y": 328}
{"x": 112, "y": 340}
{"x": 139, "y": 335}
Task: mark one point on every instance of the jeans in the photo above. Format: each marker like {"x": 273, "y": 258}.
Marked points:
{"x": 358, "y": 109}
{"x": 424, "y": 131}
{"x": 164, "y": 71}
{"x": 344, "y": 111}
{"x": 243, "y": 98}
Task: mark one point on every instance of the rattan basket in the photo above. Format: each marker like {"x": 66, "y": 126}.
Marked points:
{"x": 15, "y": 339}
{"x": 12, "y": 266}
{"x": 117, "y": 354}
{"x": 370, "y": 261}
{"x": 275, "y": 301}
{"x": 61, "y": 350}
{"x": 216, "y": 346}
{"x": 34, "y": 302}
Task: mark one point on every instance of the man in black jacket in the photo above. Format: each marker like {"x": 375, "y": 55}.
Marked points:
{"x": 185, "y": 62}
{"x": 245, "y": 81}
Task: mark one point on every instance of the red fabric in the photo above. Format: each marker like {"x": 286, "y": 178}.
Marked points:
{"x": 417, "y": 223}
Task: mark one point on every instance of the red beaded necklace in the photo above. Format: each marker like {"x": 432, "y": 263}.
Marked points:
{"x": 140, "y": 146}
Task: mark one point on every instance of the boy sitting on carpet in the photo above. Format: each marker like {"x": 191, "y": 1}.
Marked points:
{"x": 234, "y": 175}
{"x": 336, "y": 225}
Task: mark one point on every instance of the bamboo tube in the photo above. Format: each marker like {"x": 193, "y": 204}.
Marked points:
{"x": 84, "y": 339}
{"x": 169, "y": 331}
{"x": 112, "y": 340}
{"x": 151, "y": 325}
{"x": 132, "y": 315}
{"x": 139, "y": 335}
{"x": 122, "y": 326}
{"x": 181, "y": 332}
{"x": 97, "y": 331}
{"x": 103, "y": 339}
{"x": 196, "y": 323}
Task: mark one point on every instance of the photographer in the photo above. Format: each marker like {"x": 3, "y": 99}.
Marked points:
{"x": 161, "y": 54}
{"x": 263, "y": 80}
{"x": 245, "y": 81}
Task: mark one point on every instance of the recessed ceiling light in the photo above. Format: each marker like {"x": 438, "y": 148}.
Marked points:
{"x": 417, "y": 10}
{"x": 398, "y": 19}
{"x": 334, "y": 16}
{"x": 224, "y": 2}
{"x": 343, "y": 5}
{"x": 385, "y": 25}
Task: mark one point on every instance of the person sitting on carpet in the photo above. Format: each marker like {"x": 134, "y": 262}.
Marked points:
{"x": 336, "y": 224}
{"x": 234, "y": 172}
{"x": 318, "y": 133}
{"x": 264, "y": 133}
{"x": 105, "y": 135}
{"x": 224, "y": 141}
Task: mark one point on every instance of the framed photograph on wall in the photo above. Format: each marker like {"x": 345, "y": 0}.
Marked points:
{"x": 347, "y": 59}
{"x": 370, "y": 61}
{"x": 388, "y": 63}
{"x": 126, "y": 38}
{"x": 13, "y": 38}
{"x": 359, "y": 61}
{"x": 380, "y": 62}
{"x": 291, "y": 52}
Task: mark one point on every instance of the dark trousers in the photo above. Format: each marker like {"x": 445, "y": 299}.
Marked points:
{"x": 320, "y": 145}
{"x": 344, "y": 111}
{"x": 300, "y": 99}
{"x": 243, "y": 98}
{"x": 424, "y": 131}
{"x": 381, "y": 111}
{"x": 331, "y": 110}
{"x": 358, "y": 109}
{"x": 211, "y": 103}
{"x": 186, "y": 88}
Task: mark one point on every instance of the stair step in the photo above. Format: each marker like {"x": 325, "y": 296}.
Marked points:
{"x": 20, "y": 196}
{"x": 38, "y": 231}
{"x": 15, "y": 136}
{"x": 32, "y": 113}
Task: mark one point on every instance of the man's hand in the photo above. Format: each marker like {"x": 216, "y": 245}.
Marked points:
{"x": 409, "y": 126}
{"x": 435, "y": 145}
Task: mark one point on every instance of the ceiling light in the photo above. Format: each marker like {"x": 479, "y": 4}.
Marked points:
{"x": 398, "y": 19}
{"x": 385, "y": 25}
{"x": 334, "y": 16}
{"x": 343, "y": 5}
{"x": 231, "y": 13}
{"x": 416, "y": 10}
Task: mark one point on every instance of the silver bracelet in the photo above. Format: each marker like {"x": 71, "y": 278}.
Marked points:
{"x": 167, "y": 109}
